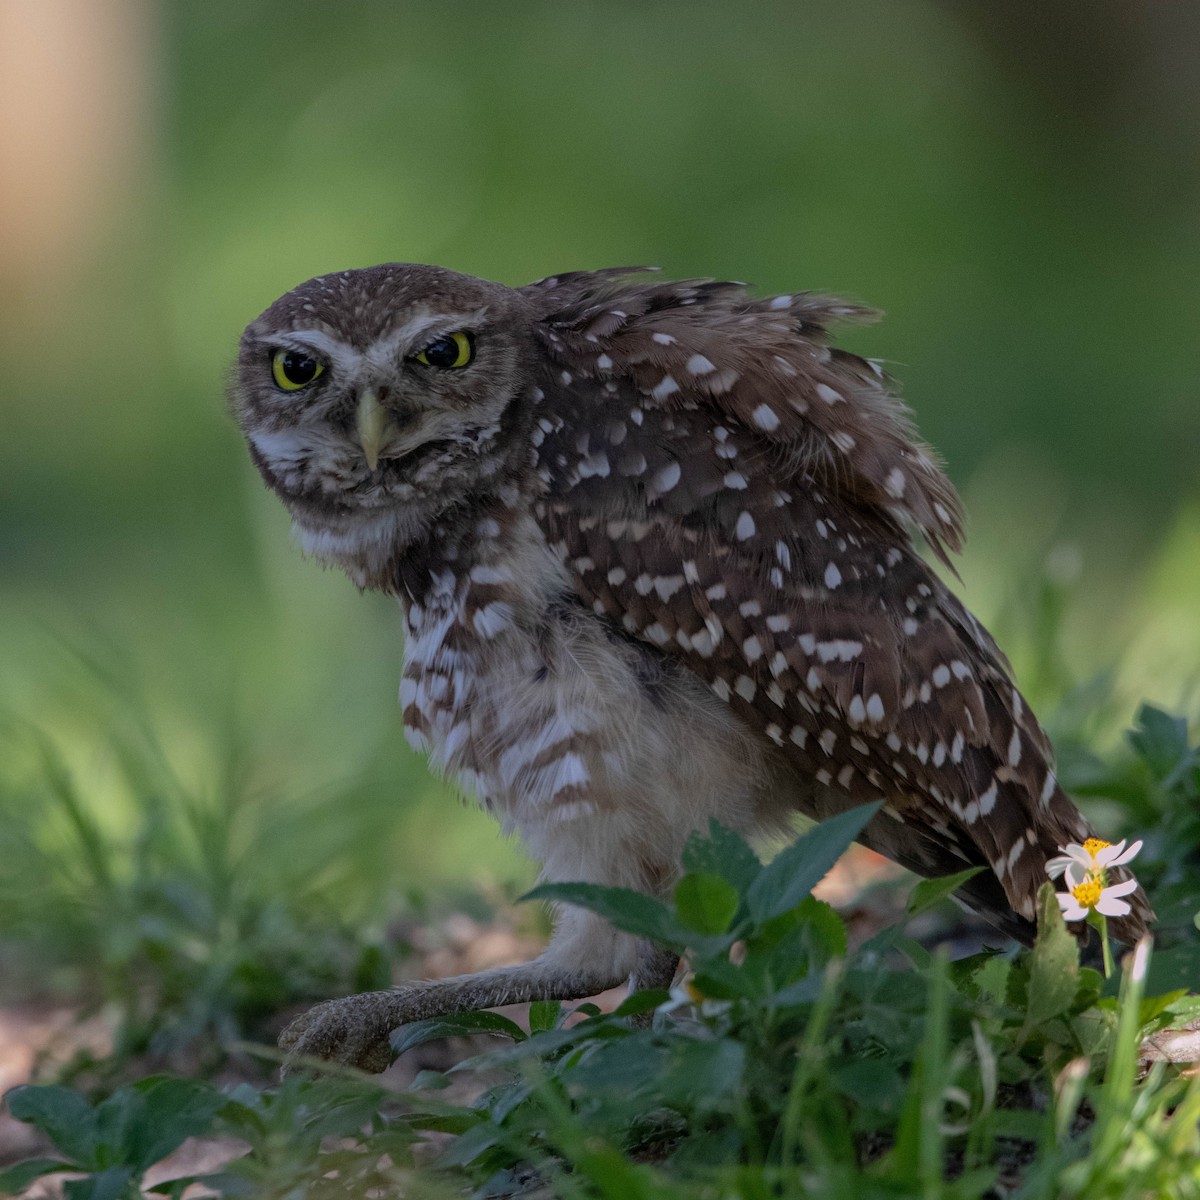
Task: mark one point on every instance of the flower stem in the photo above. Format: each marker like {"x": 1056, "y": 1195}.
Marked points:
{"x": 1099, "y": 922}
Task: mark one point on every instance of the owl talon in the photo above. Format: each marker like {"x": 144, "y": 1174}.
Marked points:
{"x": 352, "y": 1032}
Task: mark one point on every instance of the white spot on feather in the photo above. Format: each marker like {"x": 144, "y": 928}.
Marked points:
{"x": 987, "y": 801}
{"x": 664, "y": 388}
{"x": 842, "y": 649}
{"x": 765, "y": 418}
{"x": 483, "y": 573}
{"x": 492, "y": 619}
{"x": 664, "y": 479}
{"x": 1048, "y": 788}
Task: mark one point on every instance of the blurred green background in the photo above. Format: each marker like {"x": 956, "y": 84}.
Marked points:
{"x": 1016, "y": 185}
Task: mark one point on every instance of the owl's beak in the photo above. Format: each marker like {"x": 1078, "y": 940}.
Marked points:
{"x": 374, "y": 425}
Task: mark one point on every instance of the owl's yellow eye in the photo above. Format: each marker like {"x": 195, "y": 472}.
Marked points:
{"x": 449, "y": 350}
{"x": 294, "y": 370}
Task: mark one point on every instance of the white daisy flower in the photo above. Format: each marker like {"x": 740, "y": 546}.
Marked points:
{"x": 1086, "y": 892}
{"x": 687, "y": 999}
{"x": 1094, "y": 856}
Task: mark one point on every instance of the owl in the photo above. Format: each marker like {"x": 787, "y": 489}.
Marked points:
{"x": 656, "y": 549}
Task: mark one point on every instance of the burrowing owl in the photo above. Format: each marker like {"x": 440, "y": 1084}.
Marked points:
{"x": 654, "y": 544}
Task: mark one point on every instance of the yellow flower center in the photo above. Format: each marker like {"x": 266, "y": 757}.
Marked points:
{"x": 1087, "y": 893}
{"x": 1094, "y": 845}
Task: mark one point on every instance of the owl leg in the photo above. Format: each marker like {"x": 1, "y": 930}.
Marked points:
{"x": 655, "y": 968}
{"x": 585, "y": 956}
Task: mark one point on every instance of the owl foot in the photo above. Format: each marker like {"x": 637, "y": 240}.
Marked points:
{"x": 352, "y": 1032}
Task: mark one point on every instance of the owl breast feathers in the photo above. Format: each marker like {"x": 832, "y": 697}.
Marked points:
{"x": 655, "y": 544}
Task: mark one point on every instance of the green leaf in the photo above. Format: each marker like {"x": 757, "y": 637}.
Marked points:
{"x": 706, "y": 902}
{"x": 470, "y": 1144}
{"x": 823, "y": 932}
{"x": 641, "y": 1002}
{"x": 982, "y": 974}
{"x": 625, "y": 908}
{"x": 1053, "y": 965}
{"x": 172, "y": 1111}
{"x": 704, "y": 1075}
{"x": 175, "y": 1188}
{"x": 629, "y": 1070}
{"x": 873, "y": 1083}
{"x": 722, "y": 853}
{"x": 719, "y": 979}
{"x": 62, "y": 1115}
{"x": 552, "y": 1040}
{"x": 544, "y": 1014}
{"x": 119, "y": 1120}
{"x": 455, "y": 1025}
{"x": 796, "y": 944}
{"x": 931, "y": 892}
{"x": 804, "y": 991}
{"x": 1160, "y": 740}
{"x": 914, "y": 952}
{"x": 111, "y": 1184}
{"x": 1187, "y": 1007}
{"x": 795, "y": 871}
{"x": 1153, "y": 1006}
{"x": 17, "y": 1178}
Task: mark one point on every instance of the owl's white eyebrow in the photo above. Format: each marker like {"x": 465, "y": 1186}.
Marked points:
{"x": 415, "y": 332}
{"x": 332, "y": 350}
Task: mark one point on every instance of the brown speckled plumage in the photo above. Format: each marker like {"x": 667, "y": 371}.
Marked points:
{"x": 655, "y": 546}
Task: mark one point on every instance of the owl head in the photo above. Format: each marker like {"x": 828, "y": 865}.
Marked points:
{"x": 373, "y": 401}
